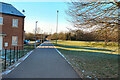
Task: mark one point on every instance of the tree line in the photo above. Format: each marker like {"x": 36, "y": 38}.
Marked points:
{"x": 31, "y": 36}
{"x": 39, "y": 35}
{"x": 80, "y": 35}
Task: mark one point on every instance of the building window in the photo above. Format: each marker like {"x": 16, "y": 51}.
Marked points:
{"x": 1, "y": 20}
{"x": 14, "y": 40}
{"x": 15, "y": 22}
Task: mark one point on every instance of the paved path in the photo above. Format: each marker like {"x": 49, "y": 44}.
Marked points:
{"x": 44, "y": 62}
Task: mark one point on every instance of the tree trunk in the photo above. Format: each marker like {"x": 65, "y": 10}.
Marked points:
{"x": 106, "y": 38}
{"x": 106, "y": 42}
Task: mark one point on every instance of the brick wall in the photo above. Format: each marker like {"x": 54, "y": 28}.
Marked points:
{"x": 0, "y": 25}
{"x": 12, "y": 31}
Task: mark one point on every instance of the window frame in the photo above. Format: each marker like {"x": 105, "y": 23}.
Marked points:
{"x": 14, "y": 43}
{"x": 15, "y": 23}
{"x": 1, "y": 22}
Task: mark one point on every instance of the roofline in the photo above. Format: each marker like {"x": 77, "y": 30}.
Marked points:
{"x": 5, "y": 3}
{"x": 12, "y": 15}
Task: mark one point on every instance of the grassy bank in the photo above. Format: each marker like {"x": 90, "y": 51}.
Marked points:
{"x": 91, "y": 59}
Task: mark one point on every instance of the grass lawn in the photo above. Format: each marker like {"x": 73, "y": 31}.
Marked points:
{"x": 29, "y": 47}
{"x": 32, "y": 41}
{"x": 91, "y": 59}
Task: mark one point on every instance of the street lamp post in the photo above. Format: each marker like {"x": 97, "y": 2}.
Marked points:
{"x": 35, "y": 33}
{"x": 41, "y": 36}
{"x": 57, "y": 26}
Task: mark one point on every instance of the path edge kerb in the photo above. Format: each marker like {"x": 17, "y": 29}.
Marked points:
{"x": 65, "y": 59}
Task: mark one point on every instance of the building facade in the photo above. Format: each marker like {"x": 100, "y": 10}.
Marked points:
{"x": 11, "y": 26}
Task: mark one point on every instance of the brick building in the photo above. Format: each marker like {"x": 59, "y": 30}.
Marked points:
{"x": 11, "y": 26}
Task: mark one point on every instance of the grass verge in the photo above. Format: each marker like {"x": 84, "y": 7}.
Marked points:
{"x": 100, "y": 62}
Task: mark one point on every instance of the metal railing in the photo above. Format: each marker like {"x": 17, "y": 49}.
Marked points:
{"x": 10, "y": 55}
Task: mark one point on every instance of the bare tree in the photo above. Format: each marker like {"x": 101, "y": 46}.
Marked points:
{"x": 103, "y": 15}
{"x": 38, "y": 30}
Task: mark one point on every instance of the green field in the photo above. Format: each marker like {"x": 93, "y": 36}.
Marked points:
{"x": 32, "y": 41}
{"x": 91, "y": 59}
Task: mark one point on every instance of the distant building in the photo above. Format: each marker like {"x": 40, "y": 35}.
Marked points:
{"x": 11, "y": 26}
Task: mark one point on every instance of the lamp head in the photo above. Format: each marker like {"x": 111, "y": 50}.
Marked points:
{"x": 23, "y": 10}
{"x": 57, "y": 11}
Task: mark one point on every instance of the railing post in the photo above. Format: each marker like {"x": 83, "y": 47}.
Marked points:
{"x": 5, "y": 58}
{"x": 17, "y": 53}
{"x": 20, "y": 52}
{"x": 10, "y": 56}
{"x": 23, "y": 50}
{"x": 14, "y": 54}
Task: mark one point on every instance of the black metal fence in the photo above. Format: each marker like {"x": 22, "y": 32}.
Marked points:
{"x": 10, "y": 55}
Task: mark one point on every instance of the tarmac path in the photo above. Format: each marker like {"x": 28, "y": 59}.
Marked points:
{"x": 44, "y": 62}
